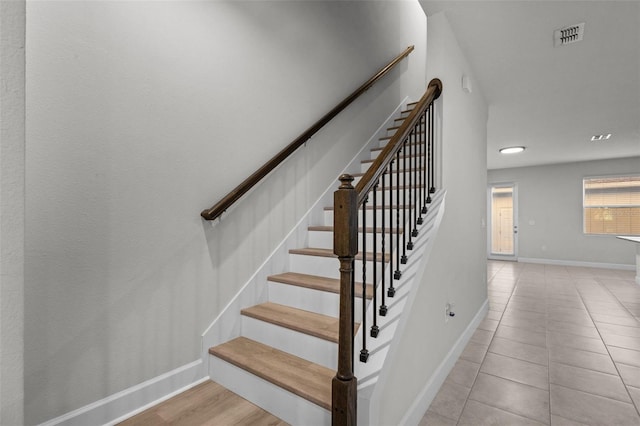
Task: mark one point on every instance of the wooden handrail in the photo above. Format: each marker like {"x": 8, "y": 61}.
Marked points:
{"x": 365, "y": 185}
{"x": 233, "y": 196}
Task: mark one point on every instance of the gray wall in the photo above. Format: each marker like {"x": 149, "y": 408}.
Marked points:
{"x": 12, "y": 173}
{"x": 456, "y": 270}
{"x": 140, "y": 115}
{"x": 550, "y": 212}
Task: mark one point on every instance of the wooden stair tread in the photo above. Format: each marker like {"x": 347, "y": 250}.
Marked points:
{"x": 315, "y": 282}
{"x": 370, "y": 207}
{"x": 321, "y": 252}
{"x": 311, "y": 323}
{"x": 371, "y": 160}
{"x": 413, "y": 143}
{"x": 299, "y": 376}
{"x": 328, "y": 228}
{"x": 394, "y": 172}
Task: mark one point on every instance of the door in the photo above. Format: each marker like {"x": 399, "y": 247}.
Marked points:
{"x": 503, "y": 226}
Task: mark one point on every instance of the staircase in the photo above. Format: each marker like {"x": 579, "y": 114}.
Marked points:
{"x": 286, "y": 354}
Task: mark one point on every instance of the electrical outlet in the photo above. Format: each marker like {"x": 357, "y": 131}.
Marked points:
{"x": 448, "y": 312}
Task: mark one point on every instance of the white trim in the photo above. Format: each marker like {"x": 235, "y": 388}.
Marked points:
{"x": 422, "y": 402}
{"x": 578, "y": 263}
{"x": 124, "y": 404}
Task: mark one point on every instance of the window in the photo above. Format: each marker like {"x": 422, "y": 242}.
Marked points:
{"x": 612, "y": 205}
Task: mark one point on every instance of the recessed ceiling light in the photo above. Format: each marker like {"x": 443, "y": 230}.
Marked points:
{"x": 511, "y": 150}
{"x": 597, "y": 138}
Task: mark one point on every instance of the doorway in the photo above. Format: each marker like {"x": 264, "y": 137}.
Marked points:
{"x": 503, "y": 222}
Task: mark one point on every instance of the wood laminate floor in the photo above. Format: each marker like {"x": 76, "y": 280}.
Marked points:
{"x": 205, "y": 404}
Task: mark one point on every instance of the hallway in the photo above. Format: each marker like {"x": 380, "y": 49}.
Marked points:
{"x": 560, "y": 345}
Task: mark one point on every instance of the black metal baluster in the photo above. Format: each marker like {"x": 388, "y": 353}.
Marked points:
{"x": 353, "y": 307}
{"x": 364, "y": 353}
{"x": 406, "y": 152}
{"x": 383, "y": 306}
{"x": 422, "y": 172}
{"x": 390, "y": 290}
{"x": 397, "y": 274}
{"x": 432, "y": 189}
{"x": 416, "y": 183}
{"x": 429, "y": 168}
{"x": 412, "y": 201}
{"x": 374, "y": 328}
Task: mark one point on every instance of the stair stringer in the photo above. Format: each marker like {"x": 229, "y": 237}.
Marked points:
{"x": 399, "y": 308}
{"x": 228, "y": 324}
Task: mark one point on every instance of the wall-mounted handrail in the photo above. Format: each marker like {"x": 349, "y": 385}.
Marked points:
{"x": 397, "y": 206}
{"x": 233, "y": 196}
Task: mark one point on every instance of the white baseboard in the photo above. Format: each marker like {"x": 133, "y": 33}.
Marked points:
{"x": 425, "y": 397}
{"x": 577, "y": 263}
{"x": 122, "y": 405}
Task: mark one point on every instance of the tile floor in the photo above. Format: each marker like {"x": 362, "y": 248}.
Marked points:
{"x": 560, "y": 345}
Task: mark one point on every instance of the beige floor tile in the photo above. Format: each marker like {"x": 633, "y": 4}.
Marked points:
{"x": 494, "y": 315}
{"x": 516, "y": 398}
{"x": 619, "y": 330}
{"x": 482, "y": 336}
{"x": 489, "y": 325}
{"x": 434, "y": 419}
{"x": 564, "y": 302}
{"x": 582, "y": 318}
{"x": 464, "y": 373}
{"x": 511, "y": 320}
{"x": 523, "y": 351}
{"x": 522, "y": 336}
{"x": 497, "y": 306}
{"x": 525, "y": 315}
{"x": 450, "y": 400}
{"x": 474, "y": 352}
{"x": 577, "y": 342}
{"x": 621, "y": 341}
{"x": 478, "y": 414}
{"x": 517, "y": 370}
{"x": 540, "y": 307}
{"x": 630, "y": 375}
{"x": 569, "y": 328}
{"x": 607, "y": 308}
{"x": 625, "y": 356}
{"x": 589, "y": 381}
{"x": 635, "y": 396}
{"x": 591, "y": 409}
{"x": 609, "y": 319}
{"x": 584, "y": 359}
{"x": 561, "y": 421}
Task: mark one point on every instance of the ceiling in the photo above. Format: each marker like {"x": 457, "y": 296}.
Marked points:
{"x": 552, "y": 100}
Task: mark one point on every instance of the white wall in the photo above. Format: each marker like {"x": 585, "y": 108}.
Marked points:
{"x": 456, "y": 271}
{"x": 140, "y": 115}
{"x": 12, "y": 174}
{"x": 550, "y": 212}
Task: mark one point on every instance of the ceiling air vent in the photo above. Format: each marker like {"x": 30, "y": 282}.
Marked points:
{"x": 568, "y": 35}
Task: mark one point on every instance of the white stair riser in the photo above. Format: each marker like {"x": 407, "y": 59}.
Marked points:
{"x": 325, "y": 266}
{"x": 274, "y": 399}
{"x": 364, "y": 165}
{"x": 396, "y": 178}
{"x": 328, "y": 217}
{"x": 413, "y": 147}
{"x": 324, "y": 239}
{"x": 321, "y": 302}
{"x": 299, "y": 344}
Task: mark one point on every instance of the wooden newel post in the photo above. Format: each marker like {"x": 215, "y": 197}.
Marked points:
{"x": 345, "y": 246}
